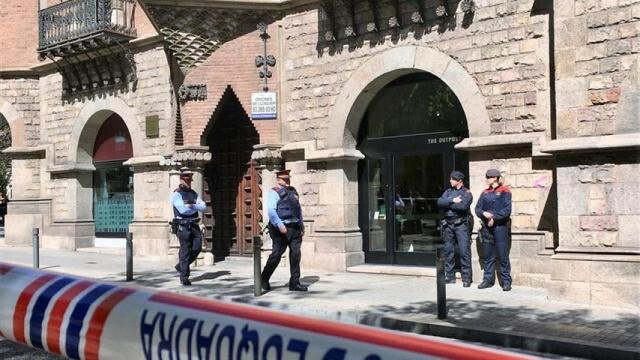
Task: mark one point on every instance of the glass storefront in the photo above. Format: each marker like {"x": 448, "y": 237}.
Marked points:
{"x": 113, "y": 199}
{"x": 112, "y": 181}
{"x": 407, "y": 137}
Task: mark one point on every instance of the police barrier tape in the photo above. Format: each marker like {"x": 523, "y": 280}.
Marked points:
{"x": 85, "y": 319}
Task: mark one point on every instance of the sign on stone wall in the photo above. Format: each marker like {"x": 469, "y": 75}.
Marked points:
{"x": 264, "y": 106}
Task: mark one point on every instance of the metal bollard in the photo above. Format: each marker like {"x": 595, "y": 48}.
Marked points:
{"x": 36, "y": 248}
{"x": 257, "y": 265}
{"x": 441, "y": 287}
{"x": 129, "y": 264}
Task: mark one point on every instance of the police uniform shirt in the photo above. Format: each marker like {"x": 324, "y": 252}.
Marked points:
{"x": 496, "y": 201}
{"x": 453, "y": 210}
{"x": 178, "y": 204}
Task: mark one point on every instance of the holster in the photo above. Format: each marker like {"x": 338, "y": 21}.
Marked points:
{"x": 485, "y": 235}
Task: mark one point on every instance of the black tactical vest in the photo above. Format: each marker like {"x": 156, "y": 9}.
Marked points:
{"x": 189, "y": 197}
{"x": 288, "y": 207}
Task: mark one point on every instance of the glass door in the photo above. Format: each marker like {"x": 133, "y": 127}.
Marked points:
{"x": 419, "y": 180}
{"x": 399, "y": 193}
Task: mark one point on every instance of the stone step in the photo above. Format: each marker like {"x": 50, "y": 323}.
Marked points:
{"x": 429, "y": 271}
{"x": 103, "y": 250}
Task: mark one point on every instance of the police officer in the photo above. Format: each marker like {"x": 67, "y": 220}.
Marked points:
{"x": 455, "y": 202}
{"x": 286, "y": 229}
{"x": 494, "y": 210}
{"x": 186, "y": 205}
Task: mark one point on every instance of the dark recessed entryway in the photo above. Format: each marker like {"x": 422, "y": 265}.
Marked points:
{"x": 407, "y": 136}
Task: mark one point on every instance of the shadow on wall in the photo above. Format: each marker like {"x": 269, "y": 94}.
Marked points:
{"x": 393, "y": 22}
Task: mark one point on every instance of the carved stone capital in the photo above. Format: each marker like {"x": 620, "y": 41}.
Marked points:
{"x": 268, "y": 155}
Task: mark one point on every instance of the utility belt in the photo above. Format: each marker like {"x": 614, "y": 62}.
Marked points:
{"x": 178, "y": 222}
{"x": 453, "y": 221}
{"x": 291, "y": 222}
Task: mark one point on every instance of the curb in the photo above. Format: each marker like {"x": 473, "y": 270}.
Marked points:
{"x": 515, "y": 340}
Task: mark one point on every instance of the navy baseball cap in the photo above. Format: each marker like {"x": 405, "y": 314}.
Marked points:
{"x": 457, "y": 175}
{"x": 493, "y": 173}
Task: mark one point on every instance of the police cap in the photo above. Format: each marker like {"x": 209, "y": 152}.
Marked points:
{"x": 493, "y": 173}
{"x": 187, "y": 176}
{"x": 283, "y": 174}
{"x": 457, "y": 175}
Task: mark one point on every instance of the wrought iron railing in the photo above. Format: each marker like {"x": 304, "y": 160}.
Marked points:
{"x": 72, "y": 21}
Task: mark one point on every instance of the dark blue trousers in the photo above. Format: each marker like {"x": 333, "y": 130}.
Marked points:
{"x": 190, "y": 238}
{"x": 459, "y": 234}
{"x": 501, "y": 247}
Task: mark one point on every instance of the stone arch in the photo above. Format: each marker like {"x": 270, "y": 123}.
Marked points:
{"x": 381, "y": 69}
{"x": 87, "y": 125}
{"x": 16, "y": 123}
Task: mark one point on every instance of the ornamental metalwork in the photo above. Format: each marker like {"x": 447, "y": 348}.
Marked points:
{"x": 77, "y": 26}
{"x": 264, "y": 61}
{"x": 197, "y": 92}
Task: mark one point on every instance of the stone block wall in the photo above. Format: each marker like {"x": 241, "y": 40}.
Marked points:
{"x": 600, "y": 202}
{"x": 597, "y": 45}
{"x": 504, "y": 47}
{"x": 21, "y": 96}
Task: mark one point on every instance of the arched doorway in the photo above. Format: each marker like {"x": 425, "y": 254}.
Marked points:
{"x": 112, "y": 181}
{"x": 230, "y": 182}
{"x": 5, "y": 169}
{"x": 407, "y": 135}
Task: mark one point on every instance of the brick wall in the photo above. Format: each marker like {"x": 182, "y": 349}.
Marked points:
{"x": 19, "y": 35}
{"x": 232, "y": 64}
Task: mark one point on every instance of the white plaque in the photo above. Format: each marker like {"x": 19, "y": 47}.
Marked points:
{"x": 264, "y": 105}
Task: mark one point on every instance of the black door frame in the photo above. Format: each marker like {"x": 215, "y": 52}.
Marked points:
{"x": 389, "y": 149}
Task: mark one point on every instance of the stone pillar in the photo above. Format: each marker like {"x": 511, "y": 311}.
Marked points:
{"x": 269, "y": 160}
{"x": 193, "y": 159}
{"x": 337, "y": 236}
{"x": 151, "y": 204}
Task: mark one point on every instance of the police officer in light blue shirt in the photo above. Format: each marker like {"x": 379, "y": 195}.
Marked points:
{"x": 186, "y": 205}
{"x": 286, "y": 229}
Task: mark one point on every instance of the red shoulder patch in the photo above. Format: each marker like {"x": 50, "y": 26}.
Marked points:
{"x": 504, "y": 189}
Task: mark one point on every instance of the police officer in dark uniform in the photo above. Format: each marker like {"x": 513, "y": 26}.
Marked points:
{"x": 494, "y": 210}
{"x": 186, "y": 205}
{"x": 286, "y": 229}
{"x": 455, "y": 202}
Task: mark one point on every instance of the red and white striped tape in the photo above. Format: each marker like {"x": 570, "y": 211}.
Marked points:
{"x": 87, "y": 319}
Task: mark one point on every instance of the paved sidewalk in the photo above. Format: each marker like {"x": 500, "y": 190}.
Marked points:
{"x": 523, "y": 318}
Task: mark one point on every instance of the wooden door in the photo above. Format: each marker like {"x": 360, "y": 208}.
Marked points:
{"x": 231, "y": 182}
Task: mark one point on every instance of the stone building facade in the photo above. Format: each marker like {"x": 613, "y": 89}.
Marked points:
{"x": 545, "y": 91}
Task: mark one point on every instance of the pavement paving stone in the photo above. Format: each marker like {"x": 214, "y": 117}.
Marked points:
{"x": 402, "y": 302}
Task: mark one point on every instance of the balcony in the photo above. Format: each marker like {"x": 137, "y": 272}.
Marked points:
{"x": 79, "y": 26}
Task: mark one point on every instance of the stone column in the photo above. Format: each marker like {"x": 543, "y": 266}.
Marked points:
{"x": 193, "y": 159}
{"x": 269, "y": 160}
{"x": 338, "y": 240}
{"x": 26, "y": 209}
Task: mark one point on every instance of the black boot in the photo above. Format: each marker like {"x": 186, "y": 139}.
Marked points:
{"x": 264, "y": 284}
{"x": 485, "y": 284}
{"x": 297, "y": 287}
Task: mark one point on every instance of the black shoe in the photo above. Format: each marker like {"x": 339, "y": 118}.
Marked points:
{"x": 484, "y": 285}
{"x": 177, "y": 267}
{"x": 265, "y": 285}
{"x": 466, "y": 283}
{"x": 450, "y": 281}
{"x": 297, "y": 287}
{"x": 185, "y": 282}
{"x": 506, "y": 287}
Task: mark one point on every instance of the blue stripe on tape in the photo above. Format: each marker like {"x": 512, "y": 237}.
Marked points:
{"x": 39, "y": 309}
{"x": 81, "y": 309}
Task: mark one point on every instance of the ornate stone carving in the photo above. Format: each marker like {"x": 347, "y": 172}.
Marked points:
{"x": 196, "y": 92}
